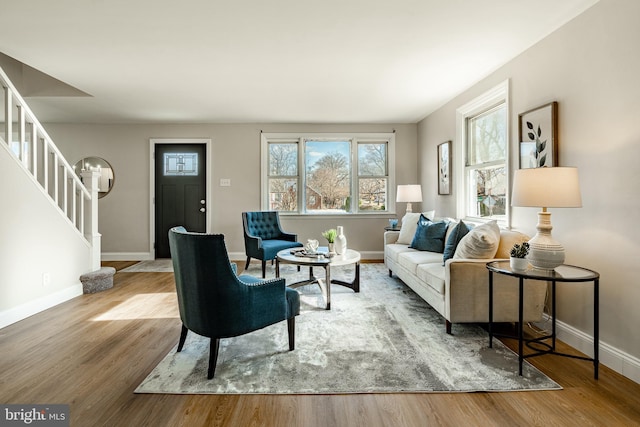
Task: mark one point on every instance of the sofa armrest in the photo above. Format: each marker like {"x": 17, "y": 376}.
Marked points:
{"x": 391, "y": 237}
{"x": 467, "y": 293}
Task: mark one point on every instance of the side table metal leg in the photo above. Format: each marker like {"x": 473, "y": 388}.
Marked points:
{"x": 596, "y": 326}
{"x": 490, "y": 309}
{"x": 328, "y": 272}
{"x": 277, "y": 268}
{"x": 520, "y": 325}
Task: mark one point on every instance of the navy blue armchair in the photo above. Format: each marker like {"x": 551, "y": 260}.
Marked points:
{"x": 217, "y": 303}
{"x": 264, "y": 238}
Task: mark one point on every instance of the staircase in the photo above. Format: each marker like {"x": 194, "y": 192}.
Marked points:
{"x": 29, "y": 280}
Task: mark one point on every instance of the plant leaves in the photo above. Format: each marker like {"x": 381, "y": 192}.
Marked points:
{"x": 543, "y": 160}
{"x": 530, "y": 125}
{"x": 539, "y": 132}
{"x": 532, "y": 136}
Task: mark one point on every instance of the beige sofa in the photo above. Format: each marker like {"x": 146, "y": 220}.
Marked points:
{"x": 459, "y": 288}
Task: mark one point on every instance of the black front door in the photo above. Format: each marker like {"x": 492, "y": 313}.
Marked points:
{"x": 180, "y": 189}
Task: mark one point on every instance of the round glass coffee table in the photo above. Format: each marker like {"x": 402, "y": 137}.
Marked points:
{"x": 321, "y": 259}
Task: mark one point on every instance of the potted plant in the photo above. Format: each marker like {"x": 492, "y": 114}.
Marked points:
{"x": 518, "y": 254}
{"x": 330, "y": 235}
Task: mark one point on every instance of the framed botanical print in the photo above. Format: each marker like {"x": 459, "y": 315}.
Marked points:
{"x": 538, "y": 136}
{"x": 444, "y": 168}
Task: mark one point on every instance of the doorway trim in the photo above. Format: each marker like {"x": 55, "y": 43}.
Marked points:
{"x": 152, "y": 184}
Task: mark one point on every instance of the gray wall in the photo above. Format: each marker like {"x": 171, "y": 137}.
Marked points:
{"x": 124, "y": 213}
{"x": 591, "y": 67}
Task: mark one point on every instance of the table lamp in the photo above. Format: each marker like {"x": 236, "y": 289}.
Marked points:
{"x": 409, "y": 194}
{"x": 556, "y": 187}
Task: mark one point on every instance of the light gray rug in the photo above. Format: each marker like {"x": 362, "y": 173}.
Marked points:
{"x": 153, "y": 266}
{"x": 385, "y": 339}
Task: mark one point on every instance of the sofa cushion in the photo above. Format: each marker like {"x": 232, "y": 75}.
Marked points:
{"x": 410, "y": 224}
{"x": 393, "y": 250}
{"x": 411, "y": 260}
{"x": 508, "y": 238}
{"x": 459, "y": 231}
{"x": 433, "y": 275}
{"x": 429, "y": 235}
{"x": 479, "y": 243}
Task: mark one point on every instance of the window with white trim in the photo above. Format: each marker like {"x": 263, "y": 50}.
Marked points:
{"x": 319, "y": 174}
{"x": 483, "y": 136}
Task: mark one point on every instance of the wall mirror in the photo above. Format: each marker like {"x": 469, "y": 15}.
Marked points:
{"x": 106, "y": 179}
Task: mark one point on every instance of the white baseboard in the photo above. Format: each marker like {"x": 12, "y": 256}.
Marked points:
{"x": 614, "y": 358}
{"x": 127, "y": 256}
{"x": 30, "y": 308}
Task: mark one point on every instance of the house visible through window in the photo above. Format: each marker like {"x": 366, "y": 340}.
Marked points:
{"x": 316, "y": 174}
{"x": 483, "y": 135}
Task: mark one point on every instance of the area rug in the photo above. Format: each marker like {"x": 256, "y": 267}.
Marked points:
{"x": 385, "y": 339}
{"x": 153, "y": 266}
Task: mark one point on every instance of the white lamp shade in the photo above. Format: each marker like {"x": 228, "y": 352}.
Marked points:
{"x": 409, "y": 193}
{"x": 546, "y": 188}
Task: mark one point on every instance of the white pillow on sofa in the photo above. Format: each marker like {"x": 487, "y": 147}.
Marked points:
{"x": 479, "y": 243}
{"x": 410, "y": 225}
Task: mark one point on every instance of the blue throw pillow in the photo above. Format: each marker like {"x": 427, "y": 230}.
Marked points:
{"x": 460, "y": 230}
{"x": 429, "y": 235}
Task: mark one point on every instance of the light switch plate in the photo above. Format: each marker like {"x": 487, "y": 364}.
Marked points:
{"x": 225, "y": 182}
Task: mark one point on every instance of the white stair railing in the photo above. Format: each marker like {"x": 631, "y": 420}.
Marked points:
{"x": 24, "y": 136}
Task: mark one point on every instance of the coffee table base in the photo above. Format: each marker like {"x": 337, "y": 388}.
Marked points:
{"x": 322, "y": 283}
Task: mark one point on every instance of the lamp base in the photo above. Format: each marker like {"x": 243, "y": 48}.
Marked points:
{"x": 545, "y": 252}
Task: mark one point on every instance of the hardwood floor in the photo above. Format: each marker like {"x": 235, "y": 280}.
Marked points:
{"x": 93, "y": 351}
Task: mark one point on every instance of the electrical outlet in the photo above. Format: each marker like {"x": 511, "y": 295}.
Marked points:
{"x": 46, "y": 279}
{"x": 225, "y": 182}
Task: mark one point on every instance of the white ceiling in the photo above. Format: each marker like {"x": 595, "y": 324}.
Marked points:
{"x": 262, "y": 61}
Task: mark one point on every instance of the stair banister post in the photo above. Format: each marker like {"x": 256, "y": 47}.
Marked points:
{"x": 90, "y": 180}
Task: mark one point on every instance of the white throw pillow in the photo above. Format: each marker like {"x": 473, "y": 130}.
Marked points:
{"x": 410, "y": 225}
{"x": 479, "y": 243}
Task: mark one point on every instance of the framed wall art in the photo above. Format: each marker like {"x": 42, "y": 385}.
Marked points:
{"x": 444, "y": 168}
{"x": 538, "y": 136}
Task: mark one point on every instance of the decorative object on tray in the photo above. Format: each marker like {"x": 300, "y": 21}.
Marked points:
{"x": 330, "y": 235}
{"x": 312, "y": 246}
{"x": 393, "y": 223}
{"x": 538, "y": 132}
{"x": 444, "y": 168}
{"x": 518, "y": 260}
{"x": 341, "y": 241}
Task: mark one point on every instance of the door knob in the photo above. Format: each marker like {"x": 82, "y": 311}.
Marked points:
{"x": 202, "y": 209}
{"x": 202, "y": 202}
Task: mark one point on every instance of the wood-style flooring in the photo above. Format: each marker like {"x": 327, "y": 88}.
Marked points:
{"x": 93, "y": 351}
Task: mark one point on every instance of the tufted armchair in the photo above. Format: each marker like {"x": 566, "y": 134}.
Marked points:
{"x": 214, "y": 302}
{"x": 264, "y": 238}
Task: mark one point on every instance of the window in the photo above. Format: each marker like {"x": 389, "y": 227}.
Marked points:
{"x": 483, "y": 135}
{"x": 325, "y": 174}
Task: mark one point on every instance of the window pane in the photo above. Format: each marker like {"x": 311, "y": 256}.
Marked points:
{"x": 283, "y": 194}
{"x": 283, "y": 159}
{"x": 372, "y": 194}
{"x": 489, "y": 189}
{"x": 181, "y": 164}
{"x": 372, "y": 159}
{"x": 328, "y": 182}
{"x": 488, "y": 136}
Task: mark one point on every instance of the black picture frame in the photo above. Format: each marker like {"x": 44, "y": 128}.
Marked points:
{"x": 444, "y": 168}
{"x": 538, "y": 136}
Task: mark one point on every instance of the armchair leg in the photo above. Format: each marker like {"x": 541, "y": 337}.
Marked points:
{"x": 246, "y": 267}
{"x": 264, "y": 269}
{"x": 183, "y": 337}
{"x": 291, "y": 329}
{"x": 213, "y": 357}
